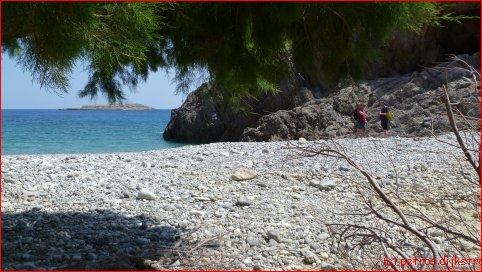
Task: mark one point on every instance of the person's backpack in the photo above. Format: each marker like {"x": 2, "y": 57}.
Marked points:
{"x": 390, "y": 115}
{"x": 355, "y": 114}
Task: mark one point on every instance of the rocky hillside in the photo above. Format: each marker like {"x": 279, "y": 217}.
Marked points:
{"x": 415, "y": 98}
{"x": 304, "y": 109}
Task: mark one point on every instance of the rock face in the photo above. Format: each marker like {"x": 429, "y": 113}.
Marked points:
{"x": 200, "y": 119}
{"x": 203, "y": 119}
{"x": 414, "y": 97}
{"x": 408, "y": 52}
{"x": 303, "y": 110}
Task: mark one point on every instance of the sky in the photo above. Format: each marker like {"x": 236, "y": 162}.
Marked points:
{"x": 20, "y": 92}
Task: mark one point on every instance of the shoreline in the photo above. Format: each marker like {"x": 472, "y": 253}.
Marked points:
{"x": 187, "y": 145}
{"x": 87, "y": 206}
{"x": 113, "y": 107}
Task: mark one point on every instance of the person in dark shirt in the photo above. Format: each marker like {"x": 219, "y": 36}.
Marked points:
{"x": 384, "y": 110}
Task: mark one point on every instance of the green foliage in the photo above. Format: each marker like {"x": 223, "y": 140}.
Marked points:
{"x": 244, "y": 49}
{"x": 44, "y": 42}
{"x": 340, "y": 41}
{"x": 117, "y": 44}
{"x": 117, "y": 40}
{"x": 239, "y": 45}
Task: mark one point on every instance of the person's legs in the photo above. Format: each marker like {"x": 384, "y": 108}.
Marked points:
{"x": 385, "y": 129}
{"x": 358, "y": 130}
{"x": 361, "y": 132}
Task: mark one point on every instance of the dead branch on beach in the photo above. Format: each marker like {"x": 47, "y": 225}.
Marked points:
{"x": 393, "y": 227}
{"x": 406, "y": 230}
{"x": 468, "y": 143}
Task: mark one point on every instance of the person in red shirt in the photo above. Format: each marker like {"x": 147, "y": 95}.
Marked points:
{"x": 362, "y": 119}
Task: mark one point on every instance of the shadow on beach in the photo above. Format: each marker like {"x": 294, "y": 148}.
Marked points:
{"x": 100, "y": 240}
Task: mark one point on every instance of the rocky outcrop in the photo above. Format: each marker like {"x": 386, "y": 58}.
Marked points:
{"x": 309, "y": 121}
{"x": 203, "y": 118}
{"x": 198, "y": 120}
{"x": 416, "y": 99}
{"x": 303, "y": 109}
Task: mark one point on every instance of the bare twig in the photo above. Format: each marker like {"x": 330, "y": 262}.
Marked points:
{"x": 456, "y": 132}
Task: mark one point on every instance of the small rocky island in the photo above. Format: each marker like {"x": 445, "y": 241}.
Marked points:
{"x": 113, "y": 107}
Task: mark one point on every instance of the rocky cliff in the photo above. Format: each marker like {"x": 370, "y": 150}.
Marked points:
{"x": 415, "y": 97}
{"x": 302, "y": 109}
{"x": 409, "y": 52}
{"x": 203, "y": 118}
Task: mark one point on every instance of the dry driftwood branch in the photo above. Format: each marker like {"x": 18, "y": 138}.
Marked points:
{"x": 338, "y": 152}
{"x": 335, "y": 150}
{"x": 456, "y": 132}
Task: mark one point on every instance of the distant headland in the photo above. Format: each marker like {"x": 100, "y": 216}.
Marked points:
{"x": 113, "y": 107}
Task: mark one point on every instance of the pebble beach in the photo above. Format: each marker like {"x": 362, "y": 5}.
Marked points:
{"x": 234, "y": 205}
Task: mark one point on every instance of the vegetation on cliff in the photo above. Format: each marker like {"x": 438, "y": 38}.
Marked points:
{"x": 242, "y": 48}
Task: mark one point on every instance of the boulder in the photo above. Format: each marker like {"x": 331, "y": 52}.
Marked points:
{"x": 243, "y": 174}
{"x": 327, "y": 266}
{"x": 244, "y": 201}
{"x": 324, "y": 185}
{"x": 308, "y": 122}
{"x": 327, "y": 185}
{"x": 274, "y": 234}
{"x": 309, "y": 257}
{"x": 146, "y": 194}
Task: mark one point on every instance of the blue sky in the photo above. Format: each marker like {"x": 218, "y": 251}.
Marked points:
{"x": 20, "y": 92}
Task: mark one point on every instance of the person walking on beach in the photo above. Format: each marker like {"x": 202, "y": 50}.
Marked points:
{"x": 362, "y": 119}
{"x": 384, "y": 110}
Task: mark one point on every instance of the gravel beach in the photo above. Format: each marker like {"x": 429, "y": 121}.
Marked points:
{"x": 64, "y": 211}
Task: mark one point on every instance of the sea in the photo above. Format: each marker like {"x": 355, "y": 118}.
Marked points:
{"x": 83, "y": 131}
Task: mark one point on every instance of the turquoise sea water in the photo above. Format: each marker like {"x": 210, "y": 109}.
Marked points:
{"x": 83, "y": 131}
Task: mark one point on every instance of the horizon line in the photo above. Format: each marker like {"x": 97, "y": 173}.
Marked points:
{"x": 63, "y": 109}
